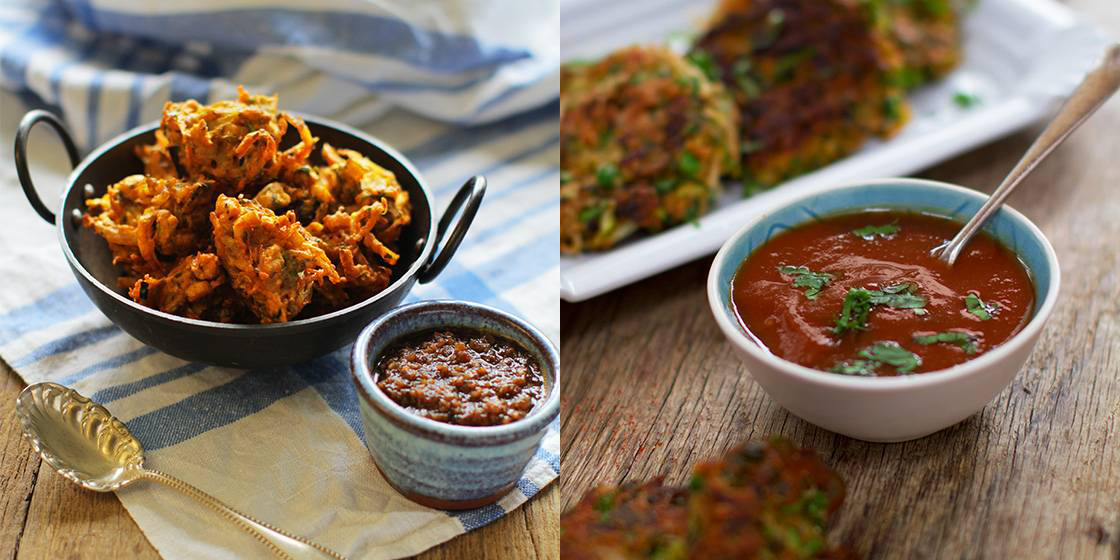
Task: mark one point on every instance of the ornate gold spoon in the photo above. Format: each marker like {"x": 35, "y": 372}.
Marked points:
{"x": 84, "y": 442}
{"x": 1097, "y": 87}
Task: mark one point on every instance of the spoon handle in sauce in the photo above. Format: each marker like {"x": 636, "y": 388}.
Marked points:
{"x": 1097, "y": 87}
{"x": 281, "y": 543}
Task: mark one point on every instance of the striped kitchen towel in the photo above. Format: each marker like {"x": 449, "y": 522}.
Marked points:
{"x": 108, "y": 65}
{"x": 286, "y": 444}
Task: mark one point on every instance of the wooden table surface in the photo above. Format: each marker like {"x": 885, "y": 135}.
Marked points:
{"x": 652, "y": 387}
{"x": 43, "y": 515}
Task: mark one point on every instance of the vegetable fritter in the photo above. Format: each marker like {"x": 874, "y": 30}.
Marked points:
{"x": 225, "y": 226}
{"x": 147, "y": 221}
{"x": 813, "y": 80}
{"x": 196, "y": 287}
{"x": 236, "y": 143}
{"x": 927, "y": 32}
{"x": 645, "y": 139}
{"x": 759, "y": 501}
{"x": 272, "y": 262}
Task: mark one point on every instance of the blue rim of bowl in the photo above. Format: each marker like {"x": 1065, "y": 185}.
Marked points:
{"x": 536, "y": 421}
{"x": 238, "y": 329}
{"x": 735, "y": 332}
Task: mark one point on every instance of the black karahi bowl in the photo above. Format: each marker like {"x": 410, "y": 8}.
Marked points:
{"x": 240, "y": 345}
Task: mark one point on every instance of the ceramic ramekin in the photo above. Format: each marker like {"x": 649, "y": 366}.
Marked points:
{"x": 442, "y": 465}
{"x": 887, "y": 409}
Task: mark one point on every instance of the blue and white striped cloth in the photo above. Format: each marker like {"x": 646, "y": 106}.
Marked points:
{"x": 109, "y": 65}
{"x": 284, "y": 444}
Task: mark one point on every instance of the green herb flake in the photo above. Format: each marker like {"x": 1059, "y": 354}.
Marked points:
{"x": 813, "y": 282}
{"x": 966, "y": 100}
{"x": 303, "y": 169}
{"x": 864, "y": 368}
{"x": 703, "y": 60}
{"x": 607, "y": 176}
{"x": 899, "y": 296}
{"x": 964, "y": 340}
{"x": 696, "y": 483}
{"x": 688, "y": 164}
{"x": 665, "y": 186}
{"x": 869, "y": 233}
{"x": 977, "y": 307}
{"x": 892, "y": 354}
{"x": 853, "y": 313}
{"x": 592, "y": 213}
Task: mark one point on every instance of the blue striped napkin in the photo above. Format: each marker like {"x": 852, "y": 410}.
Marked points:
{"x": 284, "y": 444}
{"x": 111, "y": 64}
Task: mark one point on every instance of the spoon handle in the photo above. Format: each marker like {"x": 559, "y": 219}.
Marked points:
{"x": 281, "y": 543}
{"x": 1097, "y": 87}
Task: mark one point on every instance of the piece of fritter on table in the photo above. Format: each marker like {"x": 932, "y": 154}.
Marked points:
{"x": 234, "y": 142}
{"x": 813, "y": 80}
{"x": 272, "y": 262}
{"x": 645, "y": 139}
{"x": 773, "y": 498}
{"x": 633, "y": 521}
{"x": 148, "y": 221}
{"x": 196, "y": 287}
{"x": 768, "y": 500}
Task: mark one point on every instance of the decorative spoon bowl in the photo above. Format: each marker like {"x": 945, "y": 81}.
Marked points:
{"x": 84, "y": 442}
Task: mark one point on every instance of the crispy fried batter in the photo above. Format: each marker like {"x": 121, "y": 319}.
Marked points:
{"x": 927, "y": 32}
{"x": 645, "y": 140}
{"x": 235, "y": 142}
{"x": 759, "y": 501}
{"x": 273, "y": 263}
{"x": 157, "y": 158}
{"x": 146, "y": 219}
{"x": 196, "y": 287}
{"x": 813, "y": 80}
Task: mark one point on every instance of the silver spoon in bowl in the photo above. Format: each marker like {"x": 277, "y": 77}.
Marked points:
{"x": 84, "y": 442}
{"x": 1097, "y": 87}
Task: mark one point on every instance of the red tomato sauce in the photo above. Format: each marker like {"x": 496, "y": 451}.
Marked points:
{"x": 933, "y": 297}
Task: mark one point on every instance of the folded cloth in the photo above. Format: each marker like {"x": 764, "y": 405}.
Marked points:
{"x": 286, "y": 444}
{"x": 109, "y": 65}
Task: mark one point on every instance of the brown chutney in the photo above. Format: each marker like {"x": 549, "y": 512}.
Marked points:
{"x": 470, "y": 378}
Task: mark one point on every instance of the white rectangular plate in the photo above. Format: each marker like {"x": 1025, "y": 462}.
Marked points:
{"x": 1021, "y": 57}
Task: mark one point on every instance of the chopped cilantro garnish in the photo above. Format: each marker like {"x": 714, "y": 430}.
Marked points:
{"x": 966, "y": 341}
{"x": 892, "y": 354}
{"x": 859, "y": 301}
{"x": 688, "y": 164}
{"x": 565, "y": 177}
{"x": 966, "y": 100}
{"x": 870, "y": 232}
{"x": 899, "y": 296}
{"x": 977, "y": 307}
{"x": 865, "y": 368}
{"x": 813, "y": 282}
{"x": 607, "y": 175}
{"x": 704, "y": 62}
{"x": 893, "y": 108}
{"x": 853, "y": 313}
{"x": 696, "y": 483}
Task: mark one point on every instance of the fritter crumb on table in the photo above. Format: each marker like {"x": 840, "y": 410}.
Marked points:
{"x": 225, "y": 225}
{"x": 768, "y": 500}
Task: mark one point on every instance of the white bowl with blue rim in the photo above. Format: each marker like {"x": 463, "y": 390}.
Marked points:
{"x": 442, "y": 465}
{"x": 887, "y": 409}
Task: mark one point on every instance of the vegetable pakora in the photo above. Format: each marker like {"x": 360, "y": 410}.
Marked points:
{"x": 813, "y": 80}
{"x": 759, "y": 501}
{"x": 645, "y": 139}
{"x": 224, "y": 225}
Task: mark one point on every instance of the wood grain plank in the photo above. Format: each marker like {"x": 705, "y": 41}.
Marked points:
{"x": 653, "y": 388}
{"x": 18, "y": 468}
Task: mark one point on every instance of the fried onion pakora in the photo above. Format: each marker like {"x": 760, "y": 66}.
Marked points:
{"x": 645, "y": 139}
{"x": 196, "y": 287}
{"x": 225, "y": 226}
{"x": 147, "y": 220}
{"x": 768, "y": 500}
{"x": 237, "y": 143}
{"x": 813, "y": 80}
{"x": 272, "y": 262}
{"x": 926, "y": 32}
